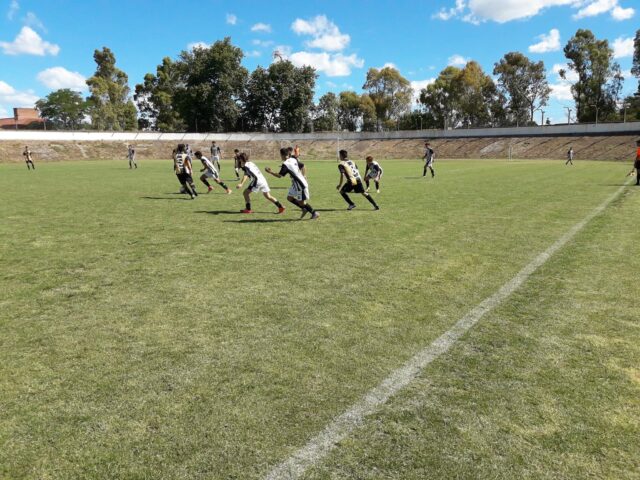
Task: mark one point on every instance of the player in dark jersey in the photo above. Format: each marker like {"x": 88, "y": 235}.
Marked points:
{"x": 636, "y": 164}
{"x": 28, "y": 158}
{"x": 236, "y": 163}
{"x": 569, "y": 157}
{"x": 210, "y": 171}
{"x": 373, "y": 172}
{"x": 183, "y": 169}
{"x": 353, "y": 181}
{"x": 131, "y": 155}
{"x": 299, "y": 191}
{"x": 428, "y": 157}
{"x": 257, "y": 183}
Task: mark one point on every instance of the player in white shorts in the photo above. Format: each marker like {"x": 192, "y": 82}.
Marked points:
{"x": 216, "y": 154}
{"x": 257, "y": 183}
{"x": 211, "y": 172}
{"x": 372, "y": 172}
{"x": 299, "y": 191}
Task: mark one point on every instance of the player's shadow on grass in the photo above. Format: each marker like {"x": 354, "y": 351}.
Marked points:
{"x": 167, "y": 198}
{"x": 413, "y": 178}
{"x": 221, "y": 212}
{"x": 264, "y": 220}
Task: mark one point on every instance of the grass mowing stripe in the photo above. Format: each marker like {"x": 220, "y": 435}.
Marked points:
{"x": 322, "y": 444}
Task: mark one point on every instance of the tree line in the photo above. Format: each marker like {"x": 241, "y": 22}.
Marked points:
{"x": 207, "y": 89}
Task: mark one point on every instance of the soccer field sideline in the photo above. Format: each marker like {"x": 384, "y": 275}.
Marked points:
{"x": 320, "y": 445}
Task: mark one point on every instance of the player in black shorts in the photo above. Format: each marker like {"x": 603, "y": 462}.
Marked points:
{"x": 349, "y": 171}
{"x": 28, "y": 159}
{"x": 182, "y": 168}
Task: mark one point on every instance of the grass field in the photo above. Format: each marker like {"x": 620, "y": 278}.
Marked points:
{"x": 147, "y": 336}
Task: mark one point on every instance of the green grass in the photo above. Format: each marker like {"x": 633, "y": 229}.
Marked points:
{"x": 143, "y": 335}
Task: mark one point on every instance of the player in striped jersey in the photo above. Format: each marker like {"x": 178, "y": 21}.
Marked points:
{"x": 257, "y": 183}
{"x": 373, "y": 171}
{"x": 131, "y": 155}
{"x": 353, "y": 181}
{"x": 216, "y": 155}
{"x": 210, "y": 171}
{"x": 299, "y": 191}
{"x": 182, "y": 168}
{"x": 28, "y": 158}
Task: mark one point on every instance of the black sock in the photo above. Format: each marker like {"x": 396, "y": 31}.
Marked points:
{"x": 367, "y": 182}
{"x": 424, "y": 172}
{"x": 309, "y": 209}
{"x": 223, "y": 185}
{"x": 371, "y": 200}
{"x": 248, "y": 205}
{"x": 278, "y": 204}
{"x": 206, "y": 183}
{"x": 377, "y": 185}
{"x": 346, "y": 198}
{"x": 295, "y": 202}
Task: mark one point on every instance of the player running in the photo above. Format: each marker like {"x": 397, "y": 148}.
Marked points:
{"x": 353, "y": 181}
{"x": 428, "y": 157}
{"x": 236, "y": 163}
{"x": 210, "y": 171}
{"x": 216, "y": 155}
{"x": 28, "y": 158}
{"x": 182, "y": 168}
{"x": 372, "y": 172}
{"x": 569, "y": 157}
{"x": 299, "y": 191}
{"x": 636, "y": 164}
{"x": 131, "y": 155}
{"x": 257, "y": 183}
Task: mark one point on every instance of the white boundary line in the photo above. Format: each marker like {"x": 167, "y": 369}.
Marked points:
{"x": 321, "y": 445}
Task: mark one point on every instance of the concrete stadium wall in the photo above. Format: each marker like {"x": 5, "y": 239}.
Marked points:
{"x": 593, "y": 142}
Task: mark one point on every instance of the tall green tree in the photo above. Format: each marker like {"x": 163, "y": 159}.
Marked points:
{"x": 155, "y": 98}
{"x": 279, "y": 98}
{"x": 212, "y": 81}
{"x": 109, "y": 104}
{"x": 631, "y": 105}
{"x": 326, "y": 113}
{"x": 525, "y": 85}
{"x": 440, "y": 98}
{"x": 599, "y": 78}
{"x": 391, "y": 95}
{"x": 64, "y": 109}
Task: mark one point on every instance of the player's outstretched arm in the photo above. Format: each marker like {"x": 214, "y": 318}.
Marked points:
{"x": 268, "y": 170}
{"x": 244, "y": 179}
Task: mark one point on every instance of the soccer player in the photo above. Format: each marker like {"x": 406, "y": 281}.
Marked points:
{"x": 292, "y": 154}
{"x": 299, "y": 191}
{"x": 182, "y": 168}
{"x": 569, "y": 157}
{"x": 131, "y": 155}
{"x": 216, "y": 154}
{"x": 236, "y": 163}
{"x": 257, "y": 183}
{"x": 28, "y": 159}
{"x": 372, "y": 172}
{"x": 428, "y": 157}
{"x": 210, "y": 171}
{"x": 353, "y": 181}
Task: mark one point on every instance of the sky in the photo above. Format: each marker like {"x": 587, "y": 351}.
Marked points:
{"x": 48, "y": 44}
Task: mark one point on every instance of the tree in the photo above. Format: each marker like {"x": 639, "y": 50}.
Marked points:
{"x": 635, "y": 69}
{"x": 212, "y": 82}
{"x": 155, "y": 98}
{"x": 440, "y": 98}
{"x": 631, "y": 104}
{"x": 64, "y": 109}
{"x": 599, "y": 78}
{"x": 279, "y": 98}
{"x": 326, "y": 113}
{"x": 109, "y": 104}
{"x": 524, "y": 83}
{"x": 390, "y": 93}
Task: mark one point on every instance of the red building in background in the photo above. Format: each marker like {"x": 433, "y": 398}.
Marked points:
{"x": 22, "y": 118}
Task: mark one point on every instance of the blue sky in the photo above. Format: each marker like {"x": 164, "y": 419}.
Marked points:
{"x": 45, "y": 45}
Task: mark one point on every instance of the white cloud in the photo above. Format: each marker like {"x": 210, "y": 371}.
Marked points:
{"x": 194, "y": 45}
{"x": 325, "y": 34}
{"x": 561, "y": 91}
{"x": 261, "y": 27}
{"x": 619, "y": 13}
{"x": 30, "y": 43}
{"x": 569, "y": 74}
{"x": 4, "y": 113}
{"x": 13, "y": 98}
{"x": 14, "y": 6}
{"x": 330, "y": 84}
{"x": 561, "y": 87}
{"x": 31, "y": 20}
{"x": 231, "y": 19}
{"x": 59, "y": 77}
{"x": 262, "y": 43}
{"x": 252, "y": 53}
{"x": 501, "y": 11}
{"x": 457, "y": 61}
{"x": 390, "y": 65}
{"x": 623, "y": 47}
{"x": 284, "y": 50}
{"x": 333, "y": 65}
{"x": 547, "y": 43}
